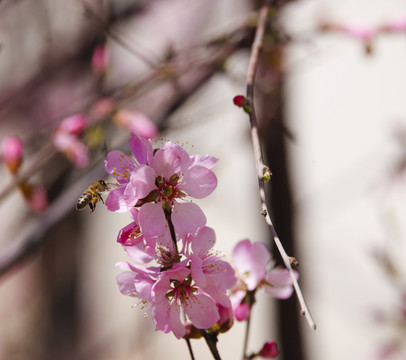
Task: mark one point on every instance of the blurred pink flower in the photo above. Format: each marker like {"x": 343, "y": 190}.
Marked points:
{"x": 100, "y": 60}
{"x": 137, "y": 122}
{"x": 74, "y": 124}
{"x": 12, "y": 153}
{"x": 358, "y": 30}
{"x": 72, "y": 147}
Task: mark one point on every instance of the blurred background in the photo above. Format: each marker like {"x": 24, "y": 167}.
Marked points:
{"x": 329, "y": 94}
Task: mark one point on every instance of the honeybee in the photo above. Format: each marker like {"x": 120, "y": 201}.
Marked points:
{"x": 92, "y": 195}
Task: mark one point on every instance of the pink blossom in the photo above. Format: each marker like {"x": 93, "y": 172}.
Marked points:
{"x": 174, "y": 293}
{"x": 166, "y": 177}
{"x": 255, "y": 269}
{"x": 136, "y": 122}
{"x": 12, "y": 153}
{"x": 72, "y": 147}
{"x": 269, "y": 350}
{"x": 100, "y": 60}
{"x": 74, "y": 124}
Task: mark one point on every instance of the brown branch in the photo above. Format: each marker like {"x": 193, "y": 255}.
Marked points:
{"x": 261, "y": 168}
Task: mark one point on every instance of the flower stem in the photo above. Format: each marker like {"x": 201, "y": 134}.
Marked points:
{"x": 211, "y": 340}
{"x": 247, "y": 330}
{"x": 189, "y": 346}
{"x": 171, "y": 228}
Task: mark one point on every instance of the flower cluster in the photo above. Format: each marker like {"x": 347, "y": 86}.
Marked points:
{"x": 179, "y": 280}
{"x": 155, "y": 186}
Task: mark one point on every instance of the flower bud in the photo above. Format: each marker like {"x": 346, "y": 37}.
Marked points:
{"x": 12, "y": 153}
{"x": 269, "y": 350}
{"x": 100, "y": 60}
{"x": 242, "y": 312}
{"x": 74, "y": 124}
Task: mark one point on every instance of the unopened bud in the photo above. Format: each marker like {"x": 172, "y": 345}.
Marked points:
{"x": 269, "y": 350}
{"x": 12, "y": 153}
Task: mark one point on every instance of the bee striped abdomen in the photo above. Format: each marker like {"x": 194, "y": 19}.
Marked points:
{"x": 84, "y": 200}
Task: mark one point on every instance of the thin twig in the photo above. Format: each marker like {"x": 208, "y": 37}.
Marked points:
{"x": 189, "y": 346}
{"x": 252, "y": 68}
{"x": 247, "y": 330}
{"x": 117, "y": 37}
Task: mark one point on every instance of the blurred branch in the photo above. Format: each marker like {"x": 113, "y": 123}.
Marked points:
{"x": 31, "y": 243}
{"x": 261, "y": 168}
{"x": 114, "y": 35}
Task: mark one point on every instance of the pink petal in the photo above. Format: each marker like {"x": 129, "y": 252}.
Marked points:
{"x": 152, "y": 220}
{"x": 187, "y": 218}
{"x": 202, "y": 311}
{"x": 204, "y": 160}
{"x": 143, "y": 181}
{"x": 119, "y": 166}
{"x": 218, "y": 293}
{"x": 197, "y": 272}
{"x": 125, "y": 283}
{"x": 115, "y": 200}
{"x": 141, "y": 148}
{"x": 199, "y": 182}
{"x": 203, "y": 241}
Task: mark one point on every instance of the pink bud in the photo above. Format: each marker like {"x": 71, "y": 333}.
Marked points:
{"x": 12, "y": 153}
{"x": 242, "y": 312}
{"x": 100, "y": 60}
{"x": 240, "y": 100}
{"x": 74, "y": 124}
{"x": 226, "y": 320}
{"x": 269, "y": 350}
{"x": 136, "y": 122}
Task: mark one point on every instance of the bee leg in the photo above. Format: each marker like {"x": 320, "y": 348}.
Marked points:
{"x": 92, "y": 206}
{"x": 100, "y": 197}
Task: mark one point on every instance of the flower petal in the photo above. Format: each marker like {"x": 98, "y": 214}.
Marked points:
{"x": 202, "y": 311}
{"x": 187, "y": 218}
{"x": 152, "y": 220}
{"x": 199, "y": 182}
